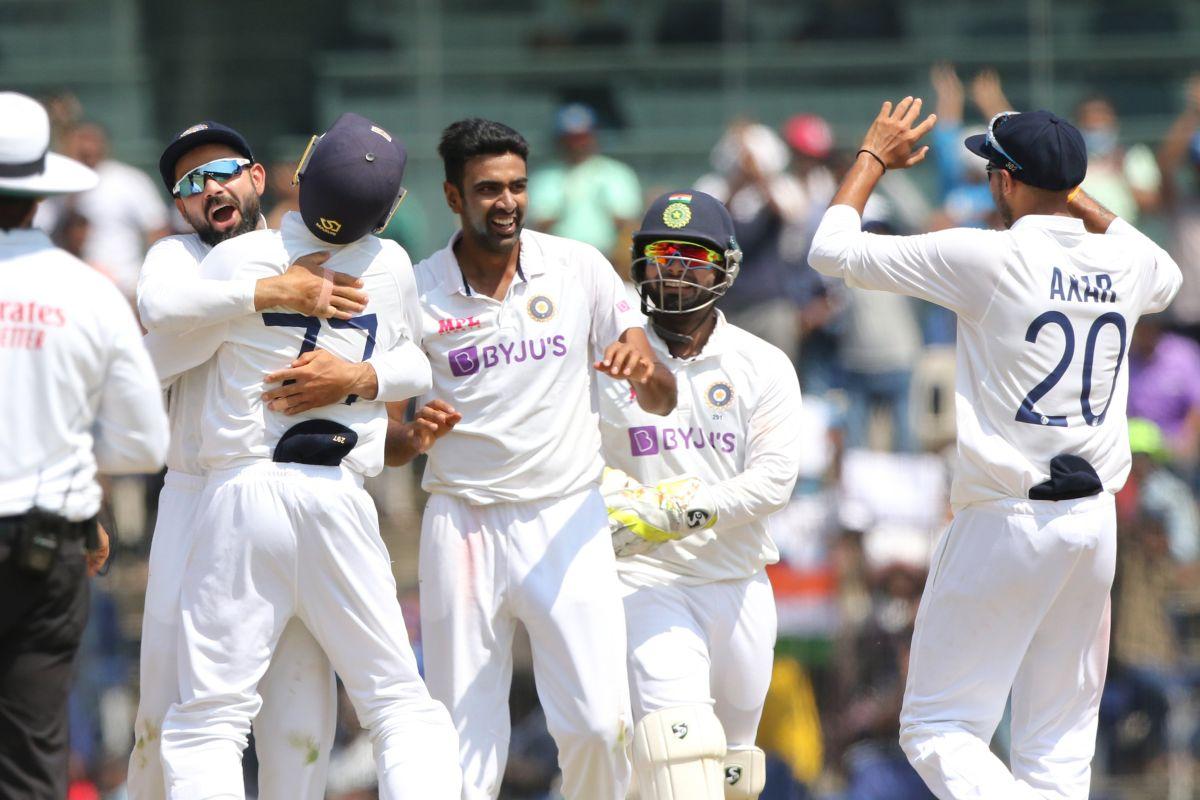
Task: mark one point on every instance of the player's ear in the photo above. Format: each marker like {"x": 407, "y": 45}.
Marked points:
{"x": 454, "y": 197}
{"x": 179, "y": 207}
{"x": 258, "y": 176}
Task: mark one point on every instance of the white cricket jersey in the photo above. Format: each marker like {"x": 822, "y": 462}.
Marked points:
{"x": 736, "y": 427}
{"x": 1045, "y": 315}
{"x": 81, "y": 394}
{"x": 236, "y": 427}
{"x": 520, "y": 370}
{"x": 172, "y": 300}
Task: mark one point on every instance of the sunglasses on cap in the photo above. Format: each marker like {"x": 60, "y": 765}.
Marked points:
{"x": 662, "y": 253}
{"x": 303, "y": 165}
{"x": 221, "y": 170}
{"x": 1012, "y": 165}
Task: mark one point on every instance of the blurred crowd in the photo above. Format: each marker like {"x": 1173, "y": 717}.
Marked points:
{"x": 877, "y": 371}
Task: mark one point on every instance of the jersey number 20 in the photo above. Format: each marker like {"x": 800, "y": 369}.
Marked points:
{"x": 1026, "y": 412}
{"x": 367, "y": 323}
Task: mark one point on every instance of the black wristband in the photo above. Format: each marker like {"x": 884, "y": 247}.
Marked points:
{"x": 872, "y": 155}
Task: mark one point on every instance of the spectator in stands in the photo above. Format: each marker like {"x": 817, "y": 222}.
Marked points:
{"x": 963, "y": 192}
{"x": 1182, "y": 206}
{"x": 1161, "y": 493}
{"x": 1164, "y": 385}
{"x": 871, "y": 667}
{"x": 1125, "y": 181}
{"x": 1144, "y": 678}
{"x": 125, "y": 212}
{"x": 879, "y": 346}
{"x": 751, "y": 178}
{"x": 284, "y": 195}
{"x": 811, "y": 142}
{"x": 586, "y": 196}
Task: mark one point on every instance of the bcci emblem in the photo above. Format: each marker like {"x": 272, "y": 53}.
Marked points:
{"x": 719, "y": 395}
{"x": 330, "y": 226}
{"x": 677, "y": 215}
{"x": 541, "y": 308}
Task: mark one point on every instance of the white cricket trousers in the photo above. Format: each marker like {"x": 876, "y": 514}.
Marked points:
{"x": 1017, "y": 598}
{"x": 282, "y": 541}
{"x": 711, "y": 644}
{"x": 293, "y": 730}
{"x": 550, "y": 565}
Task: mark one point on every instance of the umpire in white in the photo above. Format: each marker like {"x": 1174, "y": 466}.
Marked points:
{"x": 81, "y": 397}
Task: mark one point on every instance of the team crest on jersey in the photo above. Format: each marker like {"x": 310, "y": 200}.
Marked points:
{"x": 719, "y": 395}
{"x": 541, "y": 308}
{"x": 677, "y": 215}
{"x": 330, "y": 226}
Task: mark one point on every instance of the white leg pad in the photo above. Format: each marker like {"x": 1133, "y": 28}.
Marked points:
{"x": 745, "y": 773}
{"x": 679, "y": 754}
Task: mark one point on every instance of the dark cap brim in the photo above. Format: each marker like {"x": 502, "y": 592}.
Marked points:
{"x": 176, "y": 149}
{"x": 977, "y": 144}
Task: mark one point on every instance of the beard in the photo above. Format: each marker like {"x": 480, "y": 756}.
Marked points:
{"x": 485, "y": 236}
{"x": 249, "y": 210}
{"x": 1006, "y": 215}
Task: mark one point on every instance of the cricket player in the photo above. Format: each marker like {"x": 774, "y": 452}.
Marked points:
{"x": 287, "y": 530}
{"x": 1017, "y": 595}
{"x": 516, "y": 324}
{"x": 688, "y": 500}
{"x": 210, "y": 170}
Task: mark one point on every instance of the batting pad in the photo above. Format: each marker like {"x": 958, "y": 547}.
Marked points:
{"x": 679, "y": 754}
{"x": 745, "y": 773}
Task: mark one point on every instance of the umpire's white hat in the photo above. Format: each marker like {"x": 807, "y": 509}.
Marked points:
{"x": 27, "y": 167}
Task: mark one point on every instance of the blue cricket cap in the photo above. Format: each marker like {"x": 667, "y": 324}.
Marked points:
{"x": 206, "y": 132}
{"x": 350, "y": 180}
{"x": 1037, "y": 147}
{"x": 687, "y": 216}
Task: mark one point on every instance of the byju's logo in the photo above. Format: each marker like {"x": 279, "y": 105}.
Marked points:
{"x": 470, "y": 360}
{"x": 649, "y": 440}
{"x": 643, "y": 441}
{"x": 464, "y": 361}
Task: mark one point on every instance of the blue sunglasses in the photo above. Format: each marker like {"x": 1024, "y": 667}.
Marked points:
{"x": 1013, "y": 165}
{"x": 222, "y": 170}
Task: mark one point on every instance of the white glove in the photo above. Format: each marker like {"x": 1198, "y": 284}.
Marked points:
{"x": 641, "y": 517}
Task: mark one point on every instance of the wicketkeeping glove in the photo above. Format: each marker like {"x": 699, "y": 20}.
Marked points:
{"x": 641, "y": 518}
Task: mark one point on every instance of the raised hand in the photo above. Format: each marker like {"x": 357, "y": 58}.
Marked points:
{"x": 893, "y": 134}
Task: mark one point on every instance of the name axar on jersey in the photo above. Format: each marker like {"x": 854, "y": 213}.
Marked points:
{"x": 288, "y": 529}
{"x": 699, "y": 609}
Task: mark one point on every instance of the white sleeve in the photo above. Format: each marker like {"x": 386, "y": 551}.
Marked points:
{"x": 130, "y": 431}
{"x": 1166, "y": 278}
{"x": 956, "y": 268}
{"x": 772, "y": 453}
{"x": 402, "y": 371}
{"x": 612, "y": 313}
{"x": 172, "y": 297}
{"x": 174, "y": 353}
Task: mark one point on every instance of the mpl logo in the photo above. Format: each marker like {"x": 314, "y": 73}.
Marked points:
{"x": 455, "y": 324}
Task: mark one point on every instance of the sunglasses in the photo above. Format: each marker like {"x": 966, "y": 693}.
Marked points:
{"x": 222, "y": 170}
{"x": 662, "y": 253}
{"x": 1013, "y": 165}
